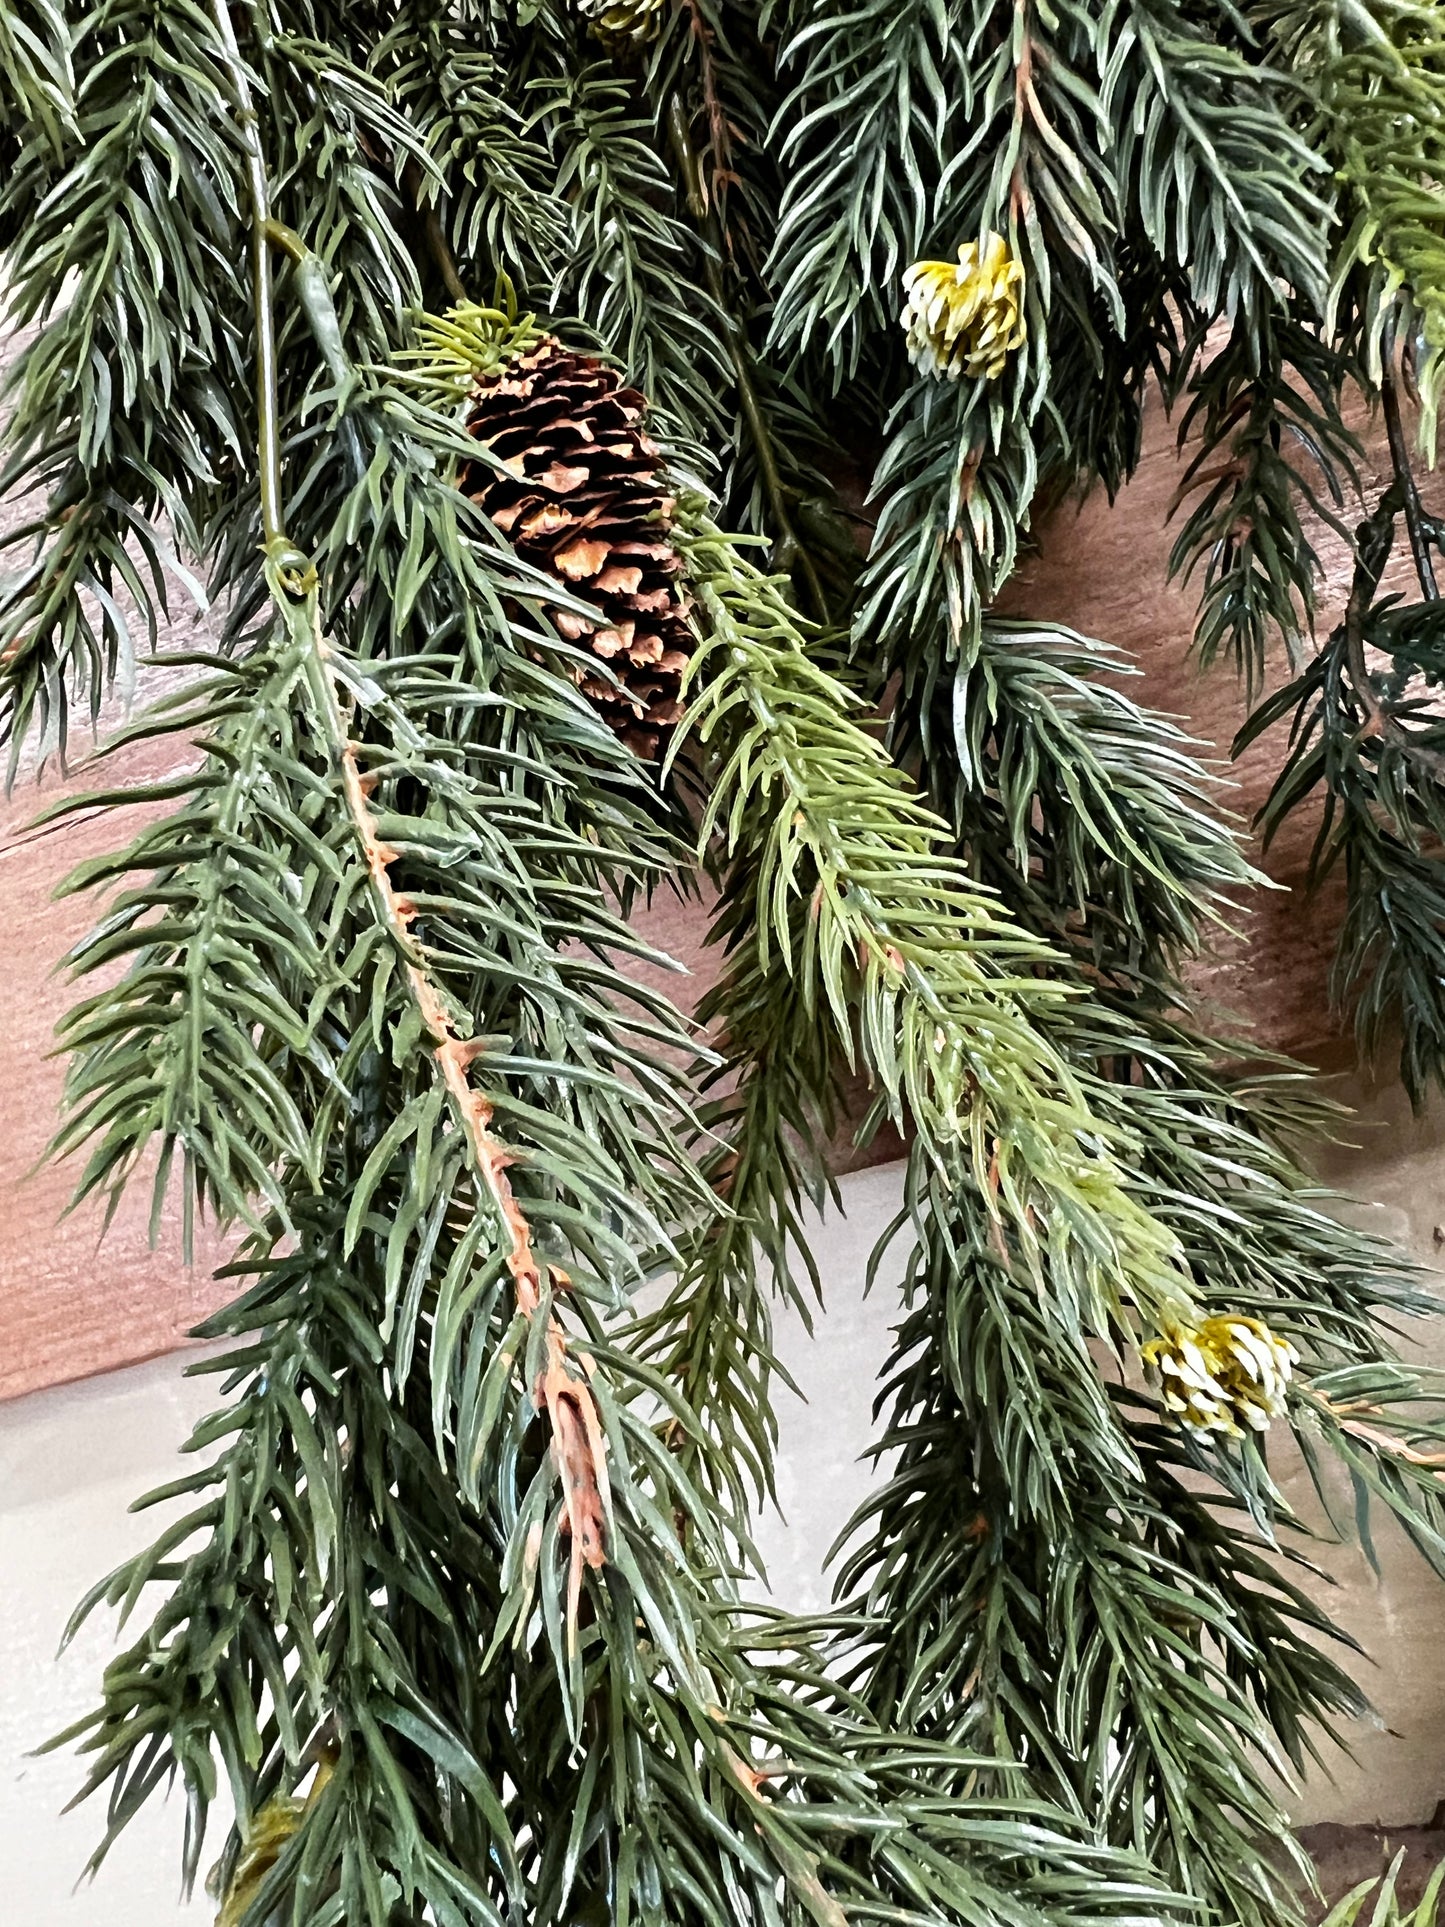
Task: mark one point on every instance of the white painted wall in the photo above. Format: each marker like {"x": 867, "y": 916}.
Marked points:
{"x": 72, "y": 1460}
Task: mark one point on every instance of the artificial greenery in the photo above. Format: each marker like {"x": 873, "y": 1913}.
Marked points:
{"x": 602, "y": 430}
{"x": 1387, "y": 1907}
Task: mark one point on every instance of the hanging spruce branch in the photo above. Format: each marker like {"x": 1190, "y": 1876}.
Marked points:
{"x": 951, "y": 1588}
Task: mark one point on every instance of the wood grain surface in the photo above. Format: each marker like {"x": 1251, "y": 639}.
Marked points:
{"x": 72, "y": 1302}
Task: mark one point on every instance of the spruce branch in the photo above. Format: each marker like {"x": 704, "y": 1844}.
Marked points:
{"x": 1034, "y": 1629}
{"x": 991, "y": 1570}
{"x": 455, "y": 1607}
{"x": 1418, "y": 530}
{"x": 118, "y": 291}
{"x": 513, "y": 1545}
{"x": 37, "y": 80}
{"x": 487, "y": 196}
{"x": 561, "y": 1390}
{"x": 377, "y": 1589}
{"x": 867, "y": 111}
{"x": 984, "y": 1607}
{"x": 268, "y": 431}
{"x": 770, "y": 1106}
{"x": 1383, "y": 1421}
{"x": 1373, "y": 74}
{"x": 632, "y": 255}
{"x": 1272, "y": 443}
{"x": 1370, "y": 741}
{"x": 1239, "y": 207}
{"x": 710, "y": 118}
{"x": 1101, "y": 380}
{"x": 561, "y": 1393}
{"x": 718, "y": 46}
{"x": 1088, "y": 812}
{"x": 859, "y": 905}
{"x": 956, "y": 487}
{"x": 929, "y": 1661}
{"x": 1038, "y": 171}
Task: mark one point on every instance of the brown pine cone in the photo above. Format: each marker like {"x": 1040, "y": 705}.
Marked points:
{"x": 579, "y": 495}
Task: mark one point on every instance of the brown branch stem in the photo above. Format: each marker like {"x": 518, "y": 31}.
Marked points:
{"x": 718, "y": 129}
{"x": 1375, "y": 1437}
{"x": 434, "y": 235}
{"x": 1019, "y": 197}
{"x": 561, "y": 1391}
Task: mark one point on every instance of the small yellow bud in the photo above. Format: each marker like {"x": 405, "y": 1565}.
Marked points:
{"x": 621, "y": 25}
{"x": 1227, "y": 1375}
{"x": 266, "y": 1839}
{"x": 965, "y": 317}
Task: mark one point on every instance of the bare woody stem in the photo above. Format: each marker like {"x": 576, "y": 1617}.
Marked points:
{"x": 434, "y": 234}
{"x": 1347, "y": 1416}
{"x": 562, "y": 1391}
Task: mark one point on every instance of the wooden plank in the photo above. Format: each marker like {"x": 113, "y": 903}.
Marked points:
{"x": 71, "y": 1303}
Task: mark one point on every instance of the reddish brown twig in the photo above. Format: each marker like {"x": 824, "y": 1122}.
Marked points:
{"x": 562, "y": 1391}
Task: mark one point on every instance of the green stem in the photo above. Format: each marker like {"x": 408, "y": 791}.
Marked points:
{"x": 268, "y": 428}
{"x": 1405, "y": 477}
{"x": 434, "y": 234}
{"x": 286, "y": 239}
{"x": 788, "y": 552}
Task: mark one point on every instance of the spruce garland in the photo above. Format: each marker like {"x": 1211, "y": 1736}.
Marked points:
{"x": 459, "y": 1607}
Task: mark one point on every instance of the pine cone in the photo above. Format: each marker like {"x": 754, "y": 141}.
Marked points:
{"x": 579, "y": 495}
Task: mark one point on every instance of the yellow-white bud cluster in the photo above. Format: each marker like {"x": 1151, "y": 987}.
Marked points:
{"x": 965, "y": 317}
{"x": 1228, "y": 1375}
{"x": 623, "y": 24}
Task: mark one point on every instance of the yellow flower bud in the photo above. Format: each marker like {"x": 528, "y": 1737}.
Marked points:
{"x": 621, "y": 25}
{"x": 266, "y": 1839}
{"x": 1228, "y": 1375}
{"x": 965, "y": 317}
